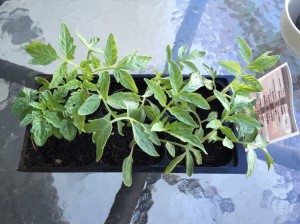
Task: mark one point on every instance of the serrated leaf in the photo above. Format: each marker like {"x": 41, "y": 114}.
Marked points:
{"x": 126, "y": 80}
{"x": 210, "y": 71}
{"x": 195, "y": 99}
{"x": 142, "y": 140}
{"x": 82, "y": 39}
{"x": 212, "y": 116}
{"x": 227, "y": 143}
{"x": 231, "y": 66}
{"x": 95, "y": 61}
{"x": 41, "y": 54}
{"x": 158, "y": 92}
{"x": 58, "y": 75}
{"x": 103, "y": 84}
{"x": 250, "y": 80}
{"x": 116, "y": 100}
{"x": 101, "y": 130}
{"x": 169, "y": 52}
{"x": 183, "y": 115}
{"x": 214, "y": 124}
{"x": 68, "y": 130}
{"x": 175, "y": 76}
{"x": 111, "y": 51}
{"x": 159, "y": 126}
{"x": 133, "y": 62}
{"x": 224, "y": 101}
{"x": 182, "y": 51}
{"x": 189, "y": 162}
{"x": 263, "y": 62}
{"x": 251, "y": 160}
{"x": 52, "y": 118}
{"x": 228, "y": 133}
{"x": 195, "y": 82}
{"x": 66, "y": 42}
{"x": 127, "y": 171}
{"x": 90, "y": 105}
{"x": 170, "y": 148}
{"x": 244, "y": 49}
{"x": 40, "y": 130}
{"x": 190, "y": 65}
{"x": 173, "y": 163}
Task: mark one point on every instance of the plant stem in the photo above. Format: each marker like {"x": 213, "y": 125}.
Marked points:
{"x": 223, "y": 91}
{"x": 173, "y": 143}
{"x": 103, "y": 69}
{"x": 162, "y": 113}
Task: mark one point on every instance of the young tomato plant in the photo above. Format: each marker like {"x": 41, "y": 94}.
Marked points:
{"x": 61, "y": 105}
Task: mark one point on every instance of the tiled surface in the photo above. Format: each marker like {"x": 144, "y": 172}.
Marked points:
{"x": 212, "y": 25}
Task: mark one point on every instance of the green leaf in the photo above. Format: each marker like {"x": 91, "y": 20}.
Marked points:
{"x": 189, "y": 162}
{"x": 240, "y": 101}
{"x": 208, "y": 84}
{"x": 152, "y": 135}
{"x": 158, "y": 92}
{"x": 244, "y": 120}
{"x": 169, "y": 52}
{"x": 269, "y": 159}
{"x": 41, "y": 54}
{"x": 72, "y": 75}
{"x": 214, "y": 124}
{"x": 142, "y": 139}
{"x": 213, "y": 137}
{"x": 28, "y": 119}
{"x": 37, "y": 105}
{"x": 245, "y": 50}
{"x": 250, "y": 80}
{"x": 173, "y": 163}
{"x": 263, "y": 62}
{"x": 103, "y": 84}
{"x": 58, "y": 75}
{"x": 127, "y": 171}
{"x": 210, "y": 71}
{"x": 66, "y": 42}
{"x": 82, "y": 39}
{"x": 182, "y": 51}
{"x": 52, "y": 118}
{"x": 212, "y": 116}
{"x": 101, "y": 130}
{"x": 197, "y": 154}
{"x": 90, "y": 105}
{"x": 190, "y": 65}
{"x": 150, "y": 113}
{"x": 231, "y": 66}
{"x": 68, "y": 130}
{"x": 126, "y": 80}
{"x": 222, "y": 99}
{"x": 195, "y": 99}
{"x": 251, "y": 159}
{"x": 228, "y": 133}
{"x": 195, "y": 82}
{"x": 42, "y": 81}
{"x": 73, "y": 84}
{"x": 41, "y": 131}
{"x": 175, "y": 76}
{"x": 183, "y": 115}
{"x": 170, "y": 148}
{"x": 227, "y": 143}
{"x": 95, "y": 61}
{"x": 120, "y": 125}
{"x": 195, "y": 55}
{"x": 133, "y": 62}
{"x": 111, "y": 51}
{"x": 116, "y": 100}
{"x": 78, "y": 122}
{"x": 158, "y": 127}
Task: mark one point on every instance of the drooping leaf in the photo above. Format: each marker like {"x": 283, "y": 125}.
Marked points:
{"x": 158, "y": 92}
{"x": 127, "y": 171}
{"x": 58, "y": 75}
{"x": 227, "y": 143}
{"x": 170, "y": 148}
{"x": 142, "y": 140}
{"x": 101, "y": 130}
{"x": 228, "y": 133}
{"x": 189, "y": 162}
{"x": 90, "y": 105}
{"x": 111, "y": 51}
{"x": 126, "y": 80}
{"x": 269, "y": 159}
{"x": 175, "y": 76}
{"x": 251, "y": 159}
{"x": 183, "y": 115}
{"x": 173, "y": 163}
{"x": 169, "y": 52}
{"x": 244, "y": 49}
{"x": 103, "y": 84}
{"x": 190, "y": 65}
{"x": 41, "y": 54}
{"x": 195, "y": 99}
{"x": 66, "y": 42}
{"x": 120, "y": 125}
{"x": 224, "y": 101}
{"x": 197, "y": 155}
{"x": 231, "y": 66}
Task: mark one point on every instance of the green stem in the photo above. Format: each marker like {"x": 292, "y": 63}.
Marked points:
{"x": 103, "y": 69}
{"x": 173, "y": 143}
{"x": 162, "y": 113}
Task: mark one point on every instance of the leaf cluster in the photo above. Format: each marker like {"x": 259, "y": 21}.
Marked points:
{"x": 63, "y": 105}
